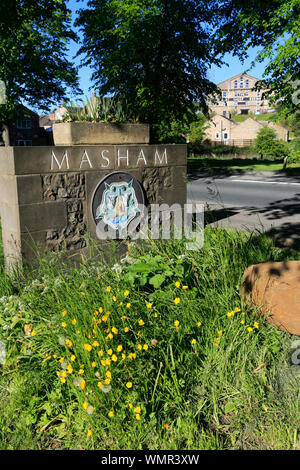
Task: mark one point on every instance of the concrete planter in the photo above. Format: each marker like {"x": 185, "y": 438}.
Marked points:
{"x": 97, "y": 133}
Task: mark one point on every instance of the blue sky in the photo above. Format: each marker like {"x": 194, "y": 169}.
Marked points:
{"x": 215, "y": 74}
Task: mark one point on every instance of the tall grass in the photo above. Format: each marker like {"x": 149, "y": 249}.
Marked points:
{"x": 158, "y": 351}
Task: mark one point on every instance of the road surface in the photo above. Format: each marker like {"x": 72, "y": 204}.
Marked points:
{"x": 266, "y": 201}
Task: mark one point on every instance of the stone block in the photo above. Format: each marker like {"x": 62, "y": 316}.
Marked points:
{"x": 92, "y": 133}
{"x": 29, "y": 189}
{"x": 179, "y": 177}
{"x": 10, "y": 219}
{"x": 7, "y": 166}
{"x": 43, "y": 216}
{"x": 8, "y": 189}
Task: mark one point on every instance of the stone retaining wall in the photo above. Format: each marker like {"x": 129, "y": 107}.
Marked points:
{"x": 45, "y": 192}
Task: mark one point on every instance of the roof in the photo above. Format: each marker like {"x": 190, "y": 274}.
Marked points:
{"x": 239, "y": 75}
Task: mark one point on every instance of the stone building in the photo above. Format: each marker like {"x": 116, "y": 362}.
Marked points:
{"x": 25, "y": 130}
{"x": 239, "y": 97}
{"x": 225, "y": 131}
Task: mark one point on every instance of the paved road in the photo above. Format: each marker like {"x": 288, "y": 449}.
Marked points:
{"x": 266, "y": 201}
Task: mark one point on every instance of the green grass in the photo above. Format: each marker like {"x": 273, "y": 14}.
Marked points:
{"x": 259, "y": 117}
{"x": 246, "y": 164}
{"x": 236, "y": 392}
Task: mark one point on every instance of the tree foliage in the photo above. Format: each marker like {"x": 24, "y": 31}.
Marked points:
{"x": 33, "y": 46}
{"x": 155, "y": 53}
{"x": 273, "y": 26}
{"x": 267, "y": 144}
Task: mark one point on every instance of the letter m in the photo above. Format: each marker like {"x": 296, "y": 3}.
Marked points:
{"x": 59, "y": 164}
{"x": 162, "y": 158}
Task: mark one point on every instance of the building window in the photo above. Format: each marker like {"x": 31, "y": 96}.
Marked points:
{"x": 246, "y": 94}
{"x": 217, "y": 135}
{"x": 224, "y": 94}
{"x": 247, "y": 83}
{"x": 235, "y": 103}
{"x": 241, "y": 82}
{"x": 258, "y": 94}
{"x": 235, "y": 83}
{"x": 24, "y": 124}
{"x": 24, "y": 143}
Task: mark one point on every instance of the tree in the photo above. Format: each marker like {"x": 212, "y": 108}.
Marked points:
{"x": 274, "y": 26}
{"x": 155, "y": 53}
{"x": 33, "y": 47}
{"x": 267, "y": 144}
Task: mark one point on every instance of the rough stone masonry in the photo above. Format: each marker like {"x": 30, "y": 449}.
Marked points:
{"x": 45, "y": 192}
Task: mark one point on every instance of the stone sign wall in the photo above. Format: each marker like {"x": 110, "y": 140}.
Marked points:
{"x": 46, "y": 192}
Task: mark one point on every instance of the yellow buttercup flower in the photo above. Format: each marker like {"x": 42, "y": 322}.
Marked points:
{"x": 176, "y": 323}
{"x": 95, "y": 344}
{"x": 126, "y": 293}
{"x": 63, "y": 380}
{"x": 108, "y": 362}
{"x": 63, "y": 324}
{"x": 82, "y": 384}
{"x": 256, "y": 324}
{"x": 114, "y": 298}
{"x": 108, "y": 288}
{"x": 73, "y": 357}
{"x": 100, "y": 353}
{"x": 243, "y": 322}
{"x": 114, "y": 358}
{"x": 140, "y": 347}
{"x": 138, "y": 416}
{"x": 88, "y": 347}
{"x": 119, "y": 348}
{"x": 74, "y": 321}
{"x": 100, "y": 310}
{"x": 137, "y": 409}
{"x": 230, "y": 314}
{"x": 85, "y": 405}
{"x": 104, "y": 318}
{"x": 193, "y": 341}
{"x": 114, "y": 330}
{"x": 249, "y": 329}
{"x": 176, "y": 300}
{"x": 62, "y": 359}
{"x": 199, "y": 323}
{"x": 177, "y": 284}
{"x": 130, "y": 405}
{"x": 128, "y": 305}
{"x": 126, "y": 329}
{"x": 220, "y": 332}
{"x": 94, "y": 364}
{"x": 111, "y": 414}
{"x": 145, "y": 347}
{"x": 141, "y": 322}
{"x": 237, "y": 309}
{"x": 108, "y": 374}
{"x": 81, "y": 371}
{"x": 149, "y": 305}
{"x": 185, "y": 287}
{"x": 129, "y": 384}
{"x": 70, "y": 369}
{"x": 99, "y": 384}
{"x": 69, "y": 343}
{"x": 89, "y": 433}
{"x": 64, "y": 313}
{"x": 109, "y": 352}
{"x": 107, "y": 381}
